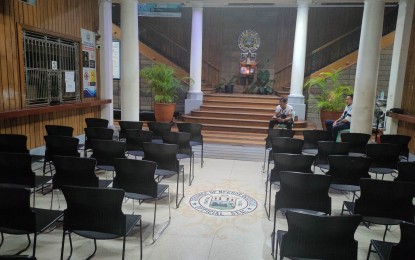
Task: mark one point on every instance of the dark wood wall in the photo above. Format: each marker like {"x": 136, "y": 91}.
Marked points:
{"x": 408, "y": 100}
{"x": 64, "y": 18}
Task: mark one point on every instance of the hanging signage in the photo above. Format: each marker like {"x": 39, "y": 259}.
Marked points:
{"x": 160, "y": 10}
{"x": 88, "y": 63}
{"x": 116, "y": 71}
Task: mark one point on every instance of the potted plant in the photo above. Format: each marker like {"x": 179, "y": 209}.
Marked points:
{"x": 229, "y": 85}
{"x": 165, "y": 86}
{"x": 219, "y": 88}
{"x": 330, "y": 94}
{"x": 261, "y": 85}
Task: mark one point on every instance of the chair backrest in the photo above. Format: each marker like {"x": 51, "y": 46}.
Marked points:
{"x": 320, "y": 237}
{"x": 96, "y": 122}
{"x": 401, "y": 140}
{"x": 16, "y": 168}
{"x": 59, "y": 130}
{"x": 406, "y": 172}
{"x": 126, "y": 125}
{"x": 11, "y": 143}
{"x": 194, "y": 129}
{"x": 135, "y": 139}
{"x": 311, "y": 137}
{"x": 304, "y": 191}
{"x": 15, "y": 211}
{"x": 94, "y": 209}
{"x": 135, "y": 176}
{"x": 105, "y": 151}
{"x": 74, "y": 171}
{"x": 326, "y": 148}
{"x": 348, "y": 169}
{"x": 286, "y": 145}
{"x": 405, "y": 249}
{"x": 97, "y": 133}
{"x": 158, "y": 128}
{"x": 292, "y": 163}
{"x": 162, "y": 154}
{"x": 61, "y": 145}
{"x": 383, "y": 155}
{"x": 182, "y": 139}
{"x": 386, "y": 199}
{"x": 277, "y": 133}
{"x": 358, "y": 141}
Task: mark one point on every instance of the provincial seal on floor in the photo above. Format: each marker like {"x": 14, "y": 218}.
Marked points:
{"x": 223, "y": 203}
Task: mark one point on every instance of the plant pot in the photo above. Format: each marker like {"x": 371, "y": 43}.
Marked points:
{"x": 328, "y": 115}
{"x": 164, "y": 112}
{"x": 228, "y": 88}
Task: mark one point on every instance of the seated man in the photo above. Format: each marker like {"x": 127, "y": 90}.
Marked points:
{"x": 283, "y": 115}
{"x": 344, "y": 121}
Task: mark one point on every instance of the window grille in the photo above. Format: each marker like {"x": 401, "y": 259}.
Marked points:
{"x": 46, "y": 59}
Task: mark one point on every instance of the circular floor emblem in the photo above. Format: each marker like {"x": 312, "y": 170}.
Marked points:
{"x": 223, "y": 203}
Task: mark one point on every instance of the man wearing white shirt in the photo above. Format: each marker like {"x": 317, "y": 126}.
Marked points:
{"x": 344, "y": 121}
{"x": 283, "y": 115}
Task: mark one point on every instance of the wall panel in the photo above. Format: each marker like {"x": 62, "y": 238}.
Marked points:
{"x": 61, "y": 17}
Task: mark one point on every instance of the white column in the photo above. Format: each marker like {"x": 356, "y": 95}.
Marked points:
{"x": 195, "y": 95}
{"x": 399, "y": 59}
{"x": 105, "y": 41}
{"x": 367, "y": 67}
{"x": 130, "y": 88}
{"x": 296, "y": 98}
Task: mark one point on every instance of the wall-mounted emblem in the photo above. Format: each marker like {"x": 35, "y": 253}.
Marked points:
{"x": 249, "y": 41}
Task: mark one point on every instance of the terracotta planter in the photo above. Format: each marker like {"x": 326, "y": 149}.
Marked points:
{"x": 328, "y": 115}
{"x": 164, "y": 112}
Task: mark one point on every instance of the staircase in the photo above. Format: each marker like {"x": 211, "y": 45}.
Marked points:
{"x": 238, "y": 119}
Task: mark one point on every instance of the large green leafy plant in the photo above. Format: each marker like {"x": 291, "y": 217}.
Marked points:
{"x": 331, "y": 93}
{"x": 162, "y": 82}
{"x": 261, "y": 85}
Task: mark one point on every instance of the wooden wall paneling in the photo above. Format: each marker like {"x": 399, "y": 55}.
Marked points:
{"x": 8, "y": 23}
{"x": 2, "y": 52}
{"x": 16, "y": 95}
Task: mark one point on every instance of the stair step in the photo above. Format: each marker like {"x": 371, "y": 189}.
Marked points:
{"x": 242, "y": 97}
{"x": 232, "y": 114}
{"x": 245, "y": 129}
{"x": 226, "y": 103}
{"x": 250, "y": 110}
{"x": 283, "y": 93}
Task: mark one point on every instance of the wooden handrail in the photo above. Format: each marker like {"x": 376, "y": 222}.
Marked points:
{"x": 402, "y": 117}
{"x": 47, "y": 109}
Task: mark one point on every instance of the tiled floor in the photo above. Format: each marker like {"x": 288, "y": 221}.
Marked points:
{"x": 194, "y": 235}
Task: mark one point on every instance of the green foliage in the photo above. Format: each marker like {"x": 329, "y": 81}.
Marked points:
{"x": 332, "y": 93}
{"x": 261, "y": 85}
{"x": 162, "y": 81}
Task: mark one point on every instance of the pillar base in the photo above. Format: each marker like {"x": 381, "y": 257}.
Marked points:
{"x": 193, "y": 101}
{"x": 297, "y": 102}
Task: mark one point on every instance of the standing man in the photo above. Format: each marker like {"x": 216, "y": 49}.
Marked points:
{"x": 344, "y": 121}
{"x": 283, "y": 115}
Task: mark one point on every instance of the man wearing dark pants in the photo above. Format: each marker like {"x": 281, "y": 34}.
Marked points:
{"x": 283, "y": 115}
{"x": 344, "y": 121}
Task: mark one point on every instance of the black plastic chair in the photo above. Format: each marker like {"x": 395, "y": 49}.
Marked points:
{"x": 358, "y": 142}
{"x": 96, "y": 122}
{"x": 284, "y": 145}
{"x": 59, "y": 145}
{"x": 16, "y": 168}
{"x": 185, "y": 151}
{"x": 12, "y": 257}
{"x": 128, "y": 125}
{"x": 406, "y": 172}
{"x": 346, "y": 172}
{"x": 312, "y": 137}
{"x": 105, "y": 152}
{"x": 59, "y": 130}
{"x": 134, "y": 141}
{"x": 12, "y": 143}
{"x": 136, "y": 178}
{"x": 75, "y": 171}
{"x": 385, "y": 158}
{"x": 404, "y": 250}
{"x": 96, "y": 133}
{"x": 326, "y": 148}
{"x": 383, "y": 202}
{"x": 401, "y": 140}
{"x": 96, "y": 213}
{"x": 304, "y": 192}
{"x": 271, "y": 134}
{"x": 158, "y": 128}
{"x": 165, "y": 155}
{"x": 196, "y": 137}
{"x": 318, "y": 237}
{"x": 18, "y": 218}
{"x": 285, "y": 162}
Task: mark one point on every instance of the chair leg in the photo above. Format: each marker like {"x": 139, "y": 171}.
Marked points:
{"x": 154, "y": 219}
{"x": 265, "y": 157}
{"x": 177, "y": 189}
{"x": 123, "y": 247}
{"x": 369, "y": 251}
{"x": 384, "y": 234}
{"x": 95, "y": 249}
{"x": 2, "y": 239}
{"x": 141, "y": 237}
{"x": 273, "y": 232}
{"x": 63, "y": 244}
{"x": 201, "y": 164}
{"x": 34, "y": 244}
{"x": 28, "y": 245}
